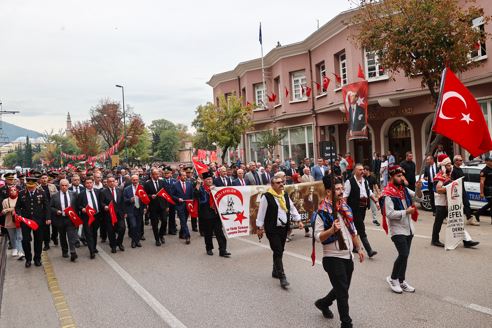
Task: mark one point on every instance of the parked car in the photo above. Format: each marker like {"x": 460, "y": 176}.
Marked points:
{"x": 472, "y": 186}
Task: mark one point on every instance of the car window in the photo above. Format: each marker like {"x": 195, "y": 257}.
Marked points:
{"x": 472, "y": 174}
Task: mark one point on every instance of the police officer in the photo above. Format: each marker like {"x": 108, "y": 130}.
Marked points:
{"x": 486, "y": 189}
{"x": 33, "y": 204}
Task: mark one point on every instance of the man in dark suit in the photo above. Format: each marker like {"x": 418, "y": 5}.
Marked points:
{"x": 183, "y": 190}
{"x": 66, "y": 229}
{"x": 429, "y": 174}
{"x": 240, "y": 181}
{"x": 357, "y": 114}
{"x": 157, "y": 207}
{"x": 223, "y": 180}
{"x": 33, "y": 204}
{"x": 115, "y": 233}
{"x": 76, "y": 187}
{"x": 90, "y": 196}
{"x": 291, "y": 172}
{"x": 169, "y": 182}
{"x": 134, "y": 211}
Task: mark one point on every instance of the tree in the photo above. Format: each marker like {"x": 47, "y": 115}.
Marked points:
{"x": 141, "y": 150}
{"x": 223, "y": 124}
{"x": 28, "y": 153}
{"x": 165, "y": 139}
{"x": 200, "y": 141}
{"x": 269, "y": 140}
{"x": 420, "y": 37}
{"x": 11, "y": 160}
{"x": 86, "y": 137}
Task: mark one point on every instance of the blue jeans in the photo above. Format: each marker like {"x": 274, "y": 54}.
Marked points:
{"x": 15, "y": 235}
{"x": 183, "y": 220}
{"x": 135, "y": 224}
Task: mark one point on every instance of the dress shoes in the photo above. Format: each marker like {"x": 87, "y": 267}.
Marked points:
{"x": 437, "y": 243}
{"x": 73, "y": 257}
{"x": 470, "y": 243}
{"x": 96, "y": 251}
{"x": 77, "y": 244}
{"x": 93, "y": 255}
{"x": 45, "y": 248}
{"x": 138, "y": 244}
{"x": 113, "y": 249}
{"x": 121, "y": 247}
{"x": 158, "y": 243}
{"x": 142, "y": 238}
{"x": 28, "y": 264}
{"x": 37, "y": 263}
{"x": 65, "y": 255}
{"x": 225, "y": 254}
{"x": 195, "y": 229}
{"x": 209, "y": 252}
{"x": 163, "y": 241}
{"x": 187, "y": 241}
{"x": 324, "y": 309}
{"x": 133, "y": 244}
{"x": 283, "y": 282}
{"x": 174, "y": 233}
{"x": 103, "y": 241}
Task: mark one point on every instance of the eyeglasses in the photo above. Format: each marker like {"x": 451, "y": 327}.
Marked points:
{"x": 279, "y": 182}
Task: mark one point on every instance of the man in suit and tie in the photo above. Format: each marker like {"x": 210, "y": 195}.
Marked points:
{"x": 183, "y": 190}
{"x": 134, "y": 211}
{"x": 430, "y": 172}
{"x": 223, "y": 180}
{"x": 59, "y": 202}
{"x": 290, "y": 173}
{"x": 49, "y": 189}
{"x": 252, "y": 176}
{"x": 240, "y": 181}
{"x": 169, "y": 182}
{"x": 267, "y": 174}
{"x": 115, "y": 233}
{"x": 157, "y": 207}
{"x": 319, "y": 170}
{"x": 90, "y": 196}
{"x": 76, "y": 187}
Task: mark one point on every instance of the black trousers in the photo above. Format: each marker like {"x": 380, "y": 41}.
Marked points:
{"x": 441, "y": 214}
{"x": 102, "y": 230}
{"x": 157, "y": 217}
{"x": 277, "y": 239}
{"x": 432, "y": 201}
{"x": 359, "y": 216}
{"x": 46, "y": 233}
{"x": 135, "y": 220}
{"x": 116, "y": 233}
{"x": 91, "y": 233}
{"x": 486, "y": 209}
{"x": 212, "y": 226}
{"x": 172, "y": 219}
{"x": 68, "y": 237}
{"x": 402, "y": 244}
{"x": 27, "y": 237}
{"x": 340, "y": 274}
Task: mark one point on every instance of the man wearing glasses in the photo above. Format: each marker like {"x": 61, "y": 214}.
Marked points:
{"x": 275, "y": 213}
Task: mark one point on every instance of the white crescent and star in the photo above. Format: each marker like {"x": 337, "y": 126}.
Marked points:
{"x": 454, "y": 94}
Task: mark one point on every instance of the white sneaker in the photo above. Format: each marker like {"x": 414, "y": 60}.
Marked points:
{"x": 472, "y": 222}
{"x": 21, "y": 255}
{"x": 394, "y": 284}
{"x": 406, "y": 287}
{"x": 15, "y": 252}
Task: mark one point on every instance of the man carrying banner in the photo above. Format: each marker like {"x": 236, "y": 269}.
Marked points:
{"x": 441, "y": 180}
{"x": 209, "y": 216}
{"x": 338, "y": 236}
{"x": 398, "y": 209}
{"x": 275, "y": 212}
{"x": 66, "y": 229}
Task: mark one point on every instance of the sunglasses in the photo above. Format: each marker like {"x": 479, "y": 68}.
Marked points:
{"x": 280, "y": 182}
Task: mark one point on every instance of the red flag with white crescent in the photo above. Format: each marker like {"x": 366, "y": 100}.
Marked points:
{"x": 192, "y": 207}
{"x": 90, "y": 214}
{"x": 70, "y": 212}
{"x": 163, "y": 193}
{"x": 142, "y": 195}
{"x": 30, "y": 223}
{"x": 112, "y": 213}
{"x": 200, "y": 167}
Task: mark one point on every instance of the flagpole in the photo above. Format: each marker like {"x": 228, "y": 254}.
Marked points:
{"x": 262, "y": 68}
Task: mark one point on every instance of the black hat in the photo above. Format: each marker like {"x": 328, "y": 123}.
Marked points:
{"x": 188, "y": 169}
{"x": 327, "y": 181}
{"x": 206, "y": 175}
{"x": 167, "y": 169}
{"x": 8, "y": 175}
{"x": 20, "y": 175}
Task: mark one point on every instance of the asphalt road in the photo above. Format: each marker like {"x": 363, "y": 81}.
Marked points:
{"x": 178, "y": 285}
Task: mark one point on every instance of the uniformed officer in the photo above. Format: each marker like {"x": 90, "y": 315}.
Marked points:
{"x": 486, "y": 189}
{"x": 33, "y": 204}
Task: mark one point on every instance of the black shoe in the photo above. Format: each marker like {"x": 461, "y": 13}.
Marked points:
{"x": 138, "y": 244}
{"x": 113, "y": 249}
{"x": 372, "y": 253}
{"x": 470, "y": 243}
{"x": 96, "y": 251}
{"x": 65, "y": 255}
{"x": 45, "y": 248}
{"x": 92, "y": 256}
{"x": 225, "y": 254}
{"x": 73, "y": 257}
{"x": 163, "y": 241}
{"x": 174, "y": 233}
{"x": 275, "y": 275}
{"x": 283, "y": 282}
{"x": 28, "y": 264}
{"x": 209, "y": 252}
{"x": 146, "y": 222}
{"x": 77, "y": 244}
{"x": 121, "y": 247}
{"x": 437, "y": 243}
{"x": 195, "y": 229}
{"x": 324, "y": 309}
{"x": 10, "y": 245}
{"x": 158, "y": 243}
{"x": 142, "y": 238}
{"x": 134, "y": 244}
{"x": 477, "y": 217}
{"x": 84, "y": 242}
{"x": 188, "y": 241}
{"x": 37, "y": 263}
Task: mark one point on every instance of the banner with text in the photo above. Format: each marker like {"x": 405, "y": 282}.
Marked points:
{"x": 455, "y": 229}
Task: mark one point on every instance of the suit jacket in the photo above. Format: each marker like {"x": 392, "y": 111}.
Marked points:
{"x": 51, "y": 188}
{"x": 316, "y": 172}
{"x": 82, "y": 203}
{"x": 56, "y": 205}
{"x": 265, "y": 178}
{"x": 158, "y": 204}
{"x": 289, "y": 173}
{"x": 307, "y": 178}
{"x": 81, "y": 188}
{"x": 219, "y": 183}
{"x": 236, "y": 182}
{"x": 130, "y": 207}
{"x": 36, "y": 207}
{"x": 106, "y": 198}
{"x": 357, "y": 118}
{"x": 250, "y": 177}
{"x": 179, "y": 193}
{"x": 427, "y": 175}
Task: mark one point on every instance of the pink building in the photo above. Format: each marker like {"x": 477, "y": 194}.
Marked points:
{"x": 400, "y": 111}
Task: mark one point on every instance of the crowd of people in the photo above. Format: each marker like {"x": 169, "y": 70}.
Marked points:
{"x": 109, "y": 202}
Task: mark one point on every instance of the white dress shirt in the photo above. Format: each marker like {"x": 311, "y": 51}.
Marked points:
{"x": 347, "y": 188}
{"x": 62, "y": 200}
{"x": 282, "y": 215}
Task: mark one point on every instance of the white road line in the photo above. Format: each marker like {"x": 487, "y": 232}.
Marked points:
{"x": 418, "y": 236}
{"x": 161, "y": 311}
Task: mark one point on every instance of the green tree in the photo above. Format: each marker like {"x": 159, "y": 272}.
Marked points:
{"x": 269, "y": 140}
{"x": 223, "y": 124}
{"x": 141, "y": 150}
{"x": 165, "y": 139}
{"x": 10, "y": 160}
{"x": 28, "y": 153}
{"x": 56, "y": 143}
{"x": 420, "y": 37}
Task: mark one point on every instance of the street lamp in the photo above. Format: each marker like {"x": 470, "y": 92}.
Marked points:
{"x": 124, "y": 120}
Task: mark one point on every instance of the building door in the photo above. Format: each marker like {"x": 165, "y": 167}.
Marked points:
{"x": 363, "y": 151}
{"x": 399, "y": 139}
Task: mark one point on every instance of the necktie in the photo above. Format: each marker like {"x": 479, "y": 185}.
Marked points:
{"x": 156, "y": 186}
{"x": 224, "y": 181}
{"x": 184, "y": 187}
{"x": 93, "y": 199}
{"x": 242, "y": 182}
{"x": 432, "y": 173}
{"x": 65, "y": 199}
{"x": 257, "y": 178}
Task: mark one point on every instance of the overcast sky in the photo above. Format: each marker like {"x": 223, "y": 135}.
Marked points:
{"x": 59, "y": 56}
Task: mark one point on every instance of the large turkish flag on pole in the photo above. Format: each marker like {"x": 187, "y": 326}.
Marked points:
{"x": 459, "y": 117}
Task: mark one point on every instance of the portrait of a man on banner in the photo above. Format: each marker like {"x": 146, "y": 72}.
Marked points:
{"x": 355, "y": 102}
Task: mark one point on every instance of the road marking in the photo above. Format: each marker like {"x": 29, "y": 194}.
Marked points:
{"x": 158, "y": 308}
{"x": 64, "y": 314}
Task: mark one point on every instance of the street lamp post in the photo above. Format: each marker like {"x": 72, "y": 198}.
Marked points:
{"x": 124, "y": 121}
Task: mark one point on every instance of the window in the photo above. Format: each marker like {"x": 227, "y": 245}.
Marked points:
{"x": 342, "y": 60}
{"x": 297, "y": 143}
{"x": 479, "y": 51}
{"x": 255, "y": 152}
{"x": 373, "y": 69}
{"x": 260, "y": 95}
{"x": 276, "y": 89}
{"x": 243, "y": 95}
{"x": 298, "y": 84}
{"x": 321, "y": 70}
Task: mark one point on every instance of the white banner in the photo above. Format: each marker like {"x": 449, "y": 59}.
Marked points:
{"x": 455, "y": 230}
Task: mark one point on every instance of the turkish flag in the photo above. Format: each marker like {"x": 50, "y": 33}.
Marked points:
{"x": 308, "y": 91}
{"x": 360, "y": 73}
{"x": 318, "y": 86}
{"x": 459, "y": 117}
{"x": 200, "y": 167}
{"x": 192, "y": 207}
{"x": 355, "y": 103}
{"x": 338, "y": 78}
{"x": 326, "y": 82}
{"x": 72, "y": 215}
{"x": 286, "y": 92}
{"x": 90, "y": 214}
{"x": 163, "y": 193}
{"x": 142, "y": 195}
{"x": 112, "y": 213}
{"x": 30, "y": 223}
{"x": 272, "y": 98}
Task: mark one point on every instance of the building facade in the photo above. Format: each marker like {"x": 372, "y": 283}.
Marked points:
{"x": 400, "y": 111}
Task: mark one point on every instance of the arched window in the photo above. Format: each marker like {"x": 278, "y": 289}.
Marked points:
{"x": 399, "y": 139}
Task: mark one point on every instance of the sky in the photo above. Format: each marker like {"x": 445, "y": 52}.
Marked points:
{"x": 59, "y": 56}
